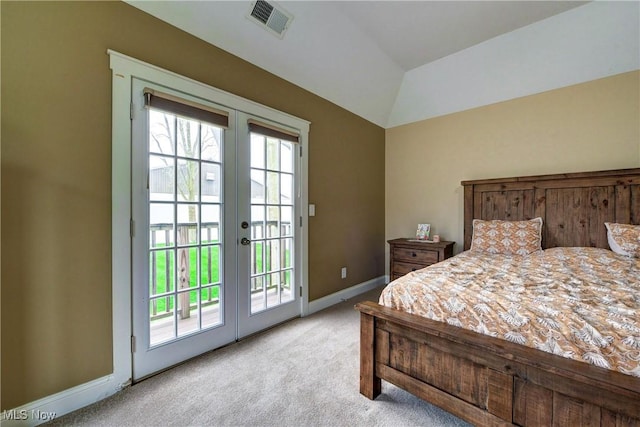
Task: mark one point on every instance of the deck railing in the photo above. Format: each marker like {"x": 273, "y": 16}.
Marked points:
{"x": 162, "y": 233}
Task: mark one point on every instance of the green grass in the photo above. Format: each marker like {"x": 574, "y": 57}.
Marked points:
{"x": 207, "y": 278}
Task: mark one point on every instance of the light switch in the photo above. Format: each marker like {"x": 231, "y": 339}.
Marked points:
{"x": 312, "y": 210}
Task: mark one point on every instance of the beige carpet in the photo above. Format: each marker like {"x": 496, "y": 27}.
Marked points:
{"x": 302, "y": 373}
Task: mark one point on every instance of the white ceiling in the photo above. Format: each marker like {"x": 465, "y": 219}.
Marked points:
{"x": 413, "y": 33}
{"x": 358, "y": 54}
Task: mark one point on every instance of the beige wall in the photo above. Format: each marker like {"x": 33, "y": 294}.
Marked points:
{"x": 56, "y": 180}
{"x": 591, "y": 126}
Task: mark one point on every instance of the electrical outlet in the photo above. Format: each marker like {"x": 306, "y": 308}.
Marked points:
{"x": 343, "y": 272}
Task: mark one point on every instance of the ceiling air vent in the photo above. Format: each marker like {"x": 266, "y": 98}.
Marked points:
{"x": 271, "y": 17}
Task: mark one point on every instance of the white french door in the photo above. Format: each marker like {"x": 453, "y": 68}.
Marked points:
{"x": 216, "y": 220}
{"x": 269, "y": 292}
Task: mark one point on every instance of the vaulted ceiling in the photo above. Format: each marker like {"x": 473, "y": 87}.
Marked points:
{"x": 394, "y": 62}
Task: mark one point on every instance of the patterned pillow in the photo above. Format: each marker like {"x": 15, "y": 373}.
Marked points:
{"x": 624, "y": 239}
{"x": 507, "y": 237}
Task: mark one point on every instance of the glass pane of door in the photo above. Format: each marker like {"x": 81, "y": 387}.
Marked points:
{"x": 185, "y": 224}
{"x": 272, "y": 231}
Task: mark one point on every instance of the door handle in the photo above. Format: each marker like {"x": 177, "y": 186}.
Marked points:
{"x": 245, "y": 241}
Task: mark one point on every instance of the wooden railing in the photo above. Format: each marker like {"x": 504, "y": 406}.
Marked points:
{"x": 162, "y": 232}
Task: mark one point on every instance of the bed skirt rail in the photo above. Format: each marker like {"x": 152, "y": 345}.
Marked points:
{"x": 485, "y": 380}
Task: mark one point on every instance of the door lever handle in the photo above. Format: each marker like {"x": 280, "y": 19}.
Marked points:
{"x": 245, "y": 241}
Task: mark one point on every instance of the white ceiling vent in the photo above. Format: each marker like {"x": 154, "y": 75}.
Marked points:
{"x": 270, "y": 16}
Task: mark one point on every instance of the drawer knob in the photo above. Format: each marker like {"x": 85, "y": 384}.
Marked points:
{"x": 413, "y": 254}
{"x": 413, "y": 269}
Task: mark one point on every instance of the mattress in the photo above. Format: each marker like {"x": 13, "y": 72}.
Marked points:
{"x": 579, "y": 303}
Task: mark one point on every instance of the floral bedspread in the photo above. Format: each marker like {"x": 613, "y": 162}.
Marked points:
{"x": 580, "y": 303}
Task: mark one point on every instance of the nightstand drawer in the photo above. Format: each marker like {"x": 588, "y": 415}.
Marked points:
{"x": 415, "y": 255}
{"x": 407, "y": 255}
{"x": 402, "y": 268}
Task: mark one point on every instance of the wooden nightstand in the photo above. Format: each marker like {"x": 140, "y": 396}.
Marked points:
{"x": 407, "y": 256}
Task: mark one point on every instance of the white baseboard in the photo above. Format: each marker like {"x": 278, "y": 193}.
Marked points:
{"x": 345, "y": 294}
{"x": 66, "y": 401}
{"x": 59, "y": 404}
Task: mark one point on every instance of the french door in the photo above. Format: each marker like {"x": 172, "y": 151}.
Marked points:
{"x": 215, "y": 246}
{"x": 268, "y": 159}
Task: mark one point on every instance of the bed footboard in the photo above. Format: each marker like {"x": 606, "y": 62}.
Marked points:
{"x": 488, "y": 381}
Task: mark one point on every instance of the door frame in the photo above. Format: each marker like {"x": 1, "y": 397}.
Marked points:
{"x": 124, "y": 69}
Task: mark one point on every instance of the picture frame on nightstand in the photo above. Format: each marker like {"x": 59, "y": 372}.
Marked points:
{"x": 423, "y": 232}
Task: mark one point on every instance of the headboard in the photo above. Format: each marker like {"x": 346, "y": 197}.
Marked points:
{"x": 573, "y": 206}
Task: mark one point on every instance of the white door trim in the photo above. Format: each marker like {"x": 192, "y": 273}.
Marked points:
{"x": 124, "y": 69}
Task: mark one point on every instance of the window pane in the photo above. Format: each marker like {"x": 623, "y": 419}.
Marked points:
{"x": 211, "y": 143}
{"x": 273, "y": 255}
{"x": 286, "y": 157}
{"x": 273, "y": 218}
{"x": 210, "y": 224}
{"x": 210, "y": 265}
{"x": 273, "y": 291}
{"x": 161, "y": 272}
{"x": 286, "y": 286}
{"x": 286, "y": 221}
{"x": 188, "y": 138}
{"x": 161, "y": 325}
{"x": 211, "y": 182}
{"x": 273, "y": 154}
{"x": 286, "y": 253}
{"x": 257, "y": 257}
{"x": 187, "y": 224}
{"x": 160, "y": 225}
{"x": 187, "y": 268}
{"x": 211, "y": 313}
{"x": 257, "y": 151}
{"x": 161, "y": 132}
{"x": 188, "y": 303}
{"x": 161, "y": 178}
{"x": 209, "y": 294}
{"x": 257, "y": 186}
{"x": 273, "y": 187}
{"x": 188, "y": 181}
{"x": 286, "y": 189}
{"x": 257, "y": 222}
{"x": 258, "y": 302}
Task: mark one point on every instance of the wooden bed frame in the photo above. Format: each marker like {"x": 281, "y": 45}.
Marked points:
{"x": 490, "y": 381}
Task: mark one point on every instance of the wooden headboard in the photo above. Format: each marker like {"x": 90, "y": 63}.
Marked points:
{"x": 573, "y": 206}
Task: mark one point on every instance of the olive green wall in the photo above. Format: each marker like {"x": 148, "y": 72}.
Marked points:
{"x": 56, "y": 180}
